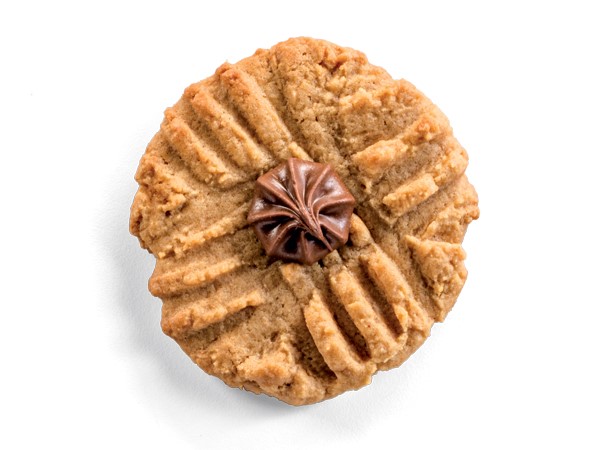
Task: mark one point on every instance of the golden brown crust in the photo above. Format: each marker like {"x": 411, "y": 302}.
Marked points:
{"x": 303, "y": 333}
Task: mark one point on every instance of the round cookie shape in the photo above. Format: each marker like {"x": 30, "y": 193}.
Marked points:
{"x": 303, "y": 332}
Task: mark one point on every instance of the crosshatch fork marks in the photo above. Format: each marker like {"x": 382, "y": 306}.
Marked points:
{"x": 364, "y": 308}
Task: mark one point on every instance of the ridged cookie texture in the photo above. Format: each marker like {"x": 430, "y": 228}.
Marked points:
{"x": 303, "y": 333}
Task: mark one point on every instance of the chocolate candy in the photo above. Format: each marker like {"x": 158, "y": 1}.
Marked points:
{"x": 301, "y": 211}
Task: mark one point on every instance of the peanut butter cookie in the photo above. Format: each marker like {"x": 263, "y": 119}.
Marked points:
{"x": 304, "y": 284}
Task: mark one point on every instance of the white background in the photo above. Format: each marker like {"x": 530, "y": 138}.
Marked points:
{"x": 85, "y": 364}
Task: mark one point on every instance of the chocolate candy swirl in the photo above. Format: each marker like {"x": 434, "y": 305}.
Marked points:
{"x": 301, "y": 211}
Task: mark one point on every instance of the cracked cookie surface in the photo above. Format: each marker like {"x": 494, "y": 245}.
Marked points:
{"x": 303, "y": 333}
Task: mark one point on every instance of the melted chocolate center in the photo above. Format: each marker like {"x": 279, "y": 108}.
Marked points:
{"x": 301, "y": 211}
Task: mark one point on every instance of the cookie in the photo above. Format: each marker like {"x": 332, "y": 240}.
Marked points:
{"x": 303, "y": 324}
